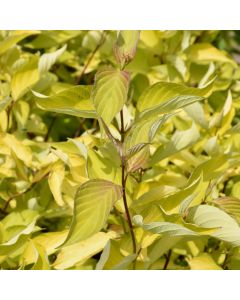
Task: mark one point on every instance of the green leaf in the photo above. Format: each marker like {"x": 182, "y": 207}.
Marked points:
{"x": 172, "y": 229}
{"x": 230, "y": 205}
{"x": 4, "y": 103}
{"x": 209, "y": 216}
{"x": 191, "y": 195}
{"x": 55, "y": 180}
{"x": 179, "y": 141}
{"x": 13, "y": 39}
{"x": 135, "y": 149}
{"x": 205, "y": 53}
{"x": 110, "y": 93}
{"x": 162, "y": 92}
{"x": 81, "y": 251}
{"x": 42, "y": 262}
{"x": 24, "y": 78}
{"x": 47, "y": 60}
{"x": 125, "y": 262}
{"x": 168, "y": 106}
{"x": 91, "y": 208}
{"x": 203, "y": 261}
{"x": 18, "y": 240}
{"x": 160, "y": 247}
{"x": 74, "y": 101}
{"x": 126, "y": 46}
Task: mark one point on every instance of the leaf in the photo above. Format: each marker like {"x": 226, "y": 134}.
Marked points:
{"x": 91, "y": 208}
{"x": 205, "y": 53}
{"x": 196, "y": 112}
{"x": 18, "y": 148}
{"x": 13, "y": 39}
{"x": 55, "y": 180}
{"x": 125, "y": 262}
{"x": 209, "y": 216}
{"x": 42, "y": 262}
{"x": 81, "y": 251}
{"x": 104, "y": 256}
{"x": 18, "y": 240}
{"x": 178, "y": 202}
{"x": 160, "y": 247}
{"x": 179, "y": 141}
{"x": 162, "y": 92}
{"x": 110, "y": 93}
{"x": 47, "y": 60}
{"x": 168, "y": 106}
{"x": 4, "y": 103}
{"x": 203, "y": 261}
{"x": 24, "y": 78}
{"x": 172, "y": 229}
{"x": 126, "y": 45}
{"x": 74, "y": 101}
{"x": 49, "y": 241}
{"x": 135, "y": 149}
{"x": 230, "y": 205}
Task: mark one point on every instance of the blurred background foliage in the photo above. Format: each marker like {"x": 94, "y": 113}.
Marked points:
{"x": 42, "y": 161}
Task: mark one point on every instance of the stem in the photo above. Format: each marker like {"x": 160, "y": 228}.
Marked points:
{"x": 102, "y": 39}
{"x": 226, "y": 260}
{"x": 124, "y": 190}
{"x": 50, "y": 128}
{"x": 167, "y": 259}
{"x": 122, "y": 126}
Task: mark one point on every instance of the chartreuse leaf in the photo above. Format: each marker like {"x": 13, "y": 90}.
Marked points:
{"x": 205, "y": 53}
{"x": 4, "y": 103}
{"x": 191, "y": 195}
{"x": 47, "y": 60}
{"x": 164, "y": 92}
{"x": 55, "y": 180}
{"x": 203, "y": 261}
{"x": 42, "y": 262}
{"x": 17, "y": 240}
{"x": 81, "y": 251}
{"x": 49, "y": 241}
{"x": 18, "y": 148}
{"x": 126, "y": 46}
{"x": 230, "y": 205}
{"x": 73, "y": 101}
{"x": 180, "y": 229}
{"x": 24, "y": 78}
{"x": 211, "y": 169}
{"x": 209, "y": 216}
{"x": 179, "y": 141}
{"x": 93, "y": 203}
{"x": 160, "y": 247}
{"x": 137, "y": 141}
{"x": 168, "y": 106}
{"x": 14, "y": 38}
{"x": 110, "y": 93}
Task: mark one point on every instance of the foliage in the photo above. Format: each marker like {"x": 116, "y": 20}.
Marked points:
{"x": 119, "y": 150}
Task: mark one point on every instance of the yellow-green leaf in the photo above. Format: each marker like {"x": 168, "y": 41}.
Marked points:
{"x": 110, "y": 93}
{"x": 74, "y": 101}
{"x": 162, "y": 92}
{"x": 24, "y": 78}
{"x": 203, "y": 261}
{"x": 93, "y": 203}
{"x": 81, "y": 251}
{"x": 47, "y": 60}
{"x": 126, "y": 45}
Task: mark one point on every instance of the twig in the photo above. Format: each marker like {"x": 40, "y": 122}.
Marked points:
{"x": 124, "y": 190}
{"x": 50, "y": 128}
{"x": 101, "y": 41}
{"x": 167, "y": 259}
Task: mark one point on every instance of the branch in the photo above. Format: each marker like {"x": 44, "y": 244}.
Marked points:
{"x": 100, "y": 43}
